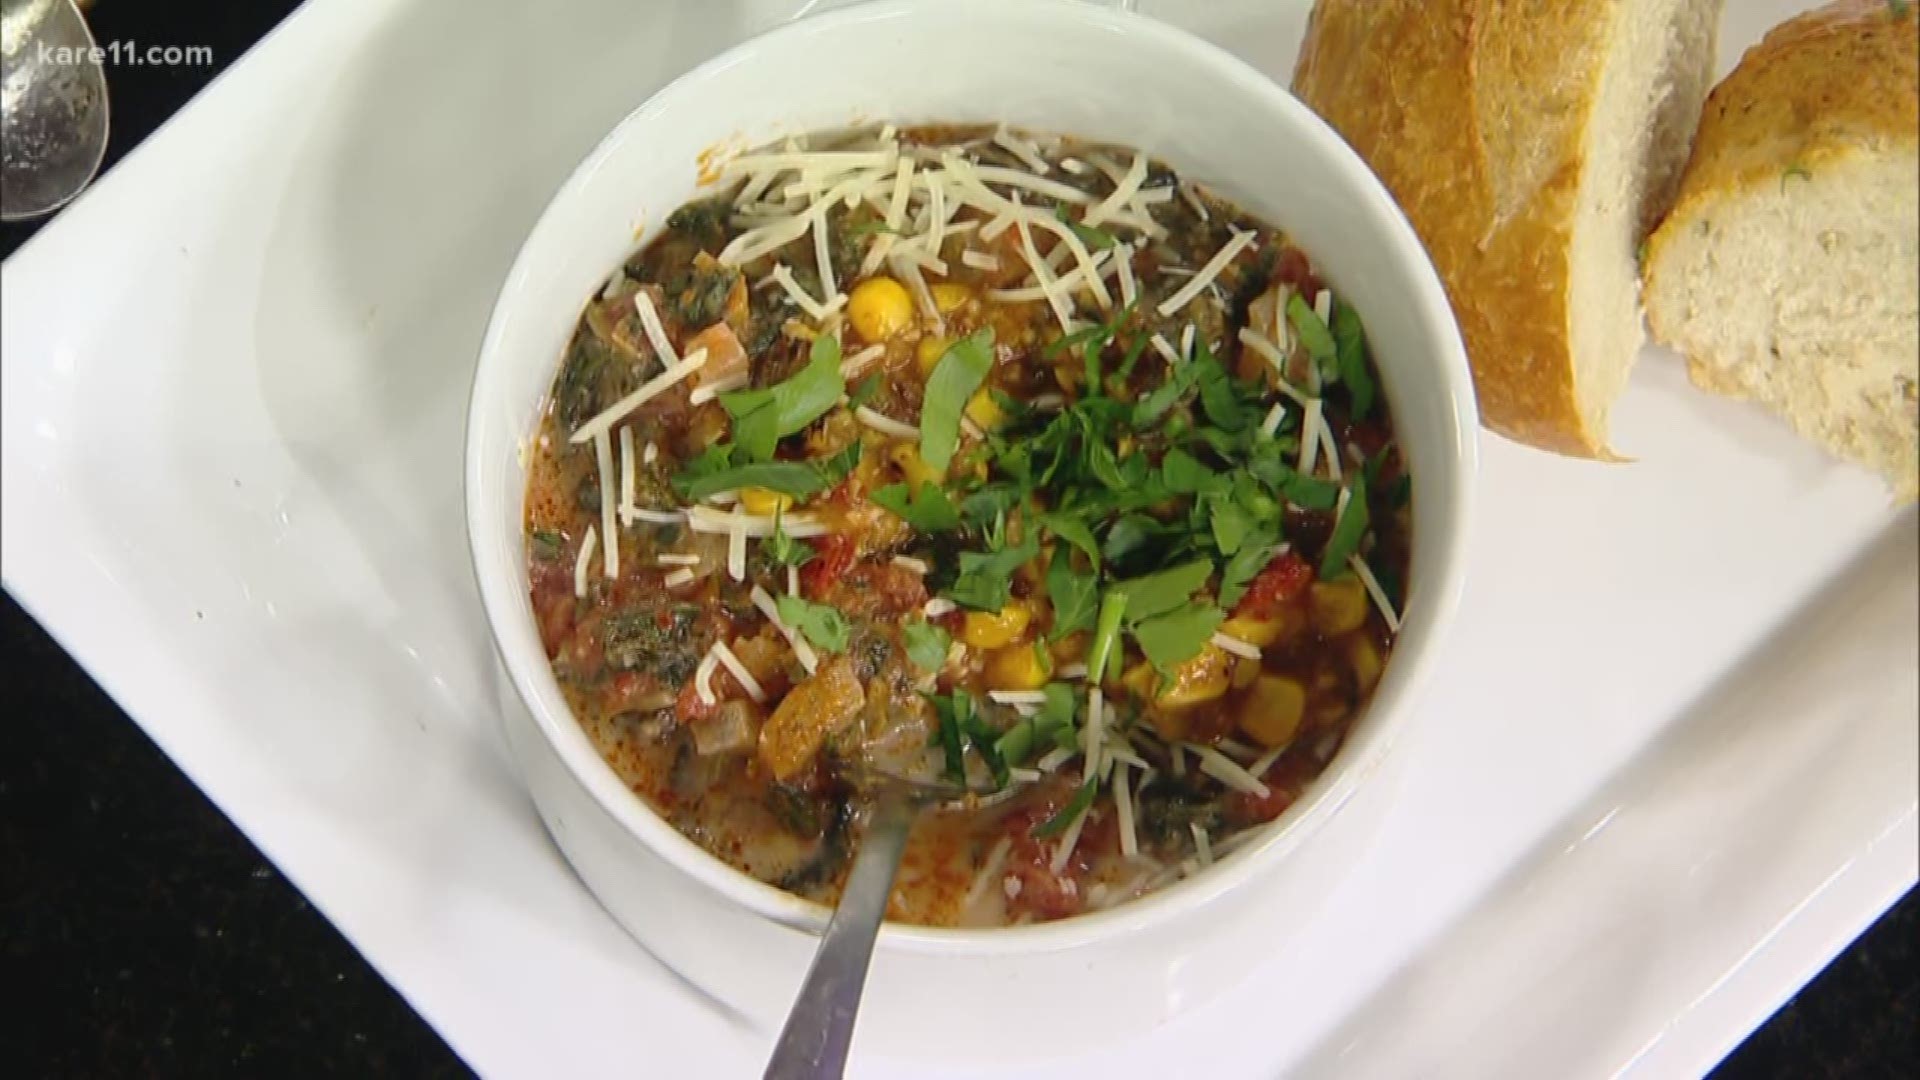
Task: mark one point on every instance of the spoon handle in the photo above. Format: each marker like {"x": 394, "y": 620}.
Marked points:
{"x": 813, "y": 1044}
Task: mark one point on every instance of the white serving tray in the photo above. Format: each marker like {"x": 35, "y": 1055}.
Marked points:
{"x": 1668, "y": 772}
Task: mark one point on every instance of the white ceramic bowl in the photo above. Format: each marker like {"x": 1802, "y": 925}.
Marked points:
{"x": 1050, "y": 66}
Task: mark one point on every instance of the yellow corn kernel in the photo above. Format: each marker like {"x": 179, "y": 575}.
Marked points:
{"x": 1338, "y": 606}
{"x": 1257, "y": 632}
{"x": 1018, "y": 667}
{"x": 931, "y": 349}
{"x": 1365, "y": 658}
{"x": 983, "y": 410}
{"x": 949, "y": 297}
{"x": 759, "y": 500}
{"x": 992, "y": 630}
{"x": 1270, "y": 712}
{"x": 913, "y": 467}
{"x": 1125, "y": 448}
{"x": 880, "y": 307}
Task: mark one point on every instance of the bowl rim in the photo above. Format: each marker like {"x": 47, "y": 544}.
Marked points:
{"x": 1326, "y": 796}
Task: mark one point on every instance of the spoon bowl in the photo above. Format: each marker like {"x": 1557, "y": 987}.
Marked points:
{"x": 53, "y": 107}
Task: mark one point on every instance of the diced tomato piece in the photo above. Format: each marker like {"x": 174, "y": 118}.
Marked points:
{"x": 1284, "y": 579}
{"x": 833, "y": 557}
{"x": 689, "y": 708}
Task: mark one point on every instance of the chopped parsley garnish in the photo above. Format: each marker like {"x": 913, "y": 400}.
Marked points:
{"x": 784, "y": 550}
{"x": 958, "y": 374}
{"x": 1350, "y": 348}
{"x": 1313, "y": 334}
{"x": 1348, "y": 531}
{"x": 761, "y": 418}
{"x": 986, "y": 578}
{"x": 1057, "y": 824}
{"x": 822, "y": 624}
{"x": 927, "y": 645}
{"x": 1072, "y": 593}
{"x": 927, "y": 509}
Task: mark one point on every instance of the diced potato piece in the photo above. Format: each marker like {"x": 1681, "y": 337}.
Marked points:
{"x": 1257, "y": 632}
{"x": 949, "y": 297}
{"x": 991, "y": 630}
{"x": 824, "y": 703}
{"x": 730, "y": 729}
{"x": 1173, "y": 700}
{"x": 759, "y": 500}
{"x": 1270, "y": 712}
{"x": 928, "y": 353}
{"x": 913, "y": 467}
{"x": 879, "y": 308}
{"x": 726, "y": 357}
{"x": 1338, "y": 606}
{"x": 1364, "y": 656}
{"x": 1244, "y": 672}
{"x": 1018, "y": 667}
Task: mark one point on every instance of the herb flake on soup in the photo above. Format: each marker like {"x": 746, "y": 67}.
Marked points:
{"x": 974, "y": 454}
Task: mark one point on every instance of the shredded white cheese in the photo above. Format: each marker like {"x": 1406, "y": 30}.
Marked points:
{"x": 737, "y": 552}
{"x": 1018, "y": 697}
{"x": 1014, "y": 178}
{"x": 740, "y": 673}
{"x": 1075, "y": 166}
{"x": 1328, "y": 450}
{"x": 979, "y": 260}
{"x": 1271, "y": 424}
{"x": 1265, "y": 761}
{"x": 1071, "y": 672}
{"x": 854, "y": 365}
{"x": 651, "y": 389}
{"x": 1272, "y": 354}
{"x": 1067, "y": 841}
{"x": 668, "y": 558}
{"x": 583, "y": 560}
{"x": 988, "y": 873}
{"x": 649, "y": 455}
{"x": 1228, "y": 643}
{"x": 939, "y": 606}
{"x": 802, "y": 649}
{"x": 1202, "y": 843}
{"x": 884, "y": 424}
{"x": 603, "y": 462}
{"x": 1059, "y": 301}
{"x": 678, "y": 578}
{"x": 707, "y": 392}
{"x": 758, "y": 526}
{"x": 1227, "y": 253}
{"x": 703, "y": 676}
{"x": 656, "y": 333}
{"x": 1054, "y": 758}
{"x": 1129, "y": 287}
{"x": 1190, "y": 193}
{"x": 654, "y": 517}
{"x": 1096, "y": 728}
{"x": 1187, "y": 337}
{"x": 1374, "y": 590}
{"x": 626, "y": 472}
{"x": 1323, "y": 306}
{"x": 1227, "y": 771}
{"x": 1165, "y": 348}
{"x": 1022, "y": 149}
{"x": 793, "y": 581}
{"x": 911, "y": 564}
{"x": 1123, "y": 808}
{"x": 815, "y": 309}
{"x": 1127, "y": 188}
{"x": 1310, "y": 437}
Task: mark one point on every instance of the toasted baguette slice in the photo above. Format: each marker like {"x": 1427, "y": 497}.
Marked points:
{"x": 1789, "y": 271}
{"x": 1532, "y": 145}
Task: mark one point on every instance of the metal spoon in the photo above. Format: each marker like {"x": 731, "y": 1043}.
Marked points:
{"x": 813, "y": 1044}
{"x": 53, "y": 107}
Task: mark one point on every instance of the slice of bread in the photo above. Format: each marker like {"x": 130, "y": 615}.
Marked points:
{"x": 1532, "y": 145}
{"x": 1789, "y": 271}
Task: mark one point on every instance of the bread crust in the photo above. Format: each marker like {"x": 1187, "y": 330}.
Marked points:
{"x": 1837, "y": 81}
{"x": 1473, "y": 113}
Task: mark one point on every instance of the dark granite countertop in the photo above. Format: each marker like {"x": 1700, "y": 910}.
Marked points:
{"x": 144, "y": 935}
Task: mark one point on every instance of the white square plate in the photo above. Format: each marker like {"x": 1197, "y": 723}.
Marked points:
{"x": 1655, "y": 791}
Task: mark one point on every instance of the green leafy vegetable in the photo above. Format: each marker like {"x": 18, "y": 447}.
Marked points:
{"x": 1075, "y": 806}
{"x": 783, "y": 549}
{"x": 954, "y": 711}
{"x": 928, "y": 509}
{"x": 986, "y": 578}
{"x": 1178, "y": 635}
{"x": 1156, "y": 404}
{"x": 1106, "y": 635}
{"x": 1254, "y": 554}
{"x": 865, "y": 392}
{"x": 822, "y": 624}
{"x": 1313, "y": 333}
{"x": 1071, "y": 593}
{"x": 761, "y": 418}
{"x": 1157, "y": 594}
{"x": 1074, "y": 531}
{"x": 927, "y": 645}
{"x": 1350, "y": 347}
{"x": 983, "y": 740}
{"x": 798, "y": 478}
{"x": 958, "y": 374}
{"x": 1348, "y": 531}
{"x": 1185, "y": 475}
{"x": 1097, "y": 239}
